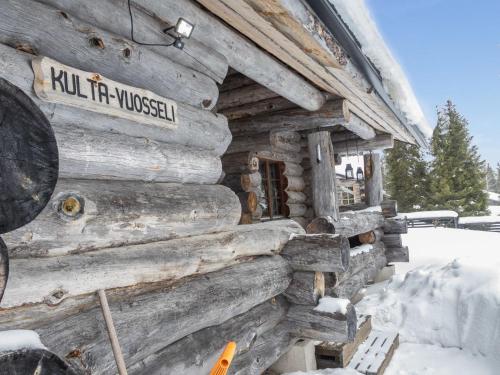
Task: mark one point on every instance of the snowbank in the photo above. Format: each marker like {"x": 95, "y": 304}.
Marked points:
{"x": 494, "y": 210}
{"x": 19, "y": 339}
{"x": 478, "y": 219}
{"x": 428, "y": 214}
{"x": 357, "y": 16}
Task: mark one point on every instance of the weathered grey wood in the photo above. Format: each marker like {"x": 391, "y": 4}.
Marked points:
{"x": 113, "y": 16}
{"x": 167, "y": 313}
{"x": 251, "y": 181}
{"x": 198, "y": 128}
{"x": 241, "y": 54}
{"x": 259, "y": 108}
{"x": 243, "y": 95}
{"x": 90, "y": 154}
{"x": 321, "y": 252}
{"x": 323, "y": 175}
{"x": 359, "y": 127}
{"x": 86, "y": 215}
{"x": 285, "y": 140}
{"x": 296, "y": 209}
{"x": 332, "y": 113}
{"x": 370, "y": 260}
{"x": 349, "y": 224}
{"x": 349, "y": 288}
{"x": 395, "y": 226}
{"x": 196, "y": 353}
{"x": 393, "y": 240}
{"x": 4, "y": 268}
{"x": 244, "y": 162}
{"x": 309, "y": 323}
{"x": 292, "y": 169}
{"x": 259, "y": 142}
{"x": 266, "y": 350}
{"x": 389, "y": 208}
{"x": 371, "y": 237}
{"x": 374, "y": 189}
{"x": 235, "y": 80}
{"x": 295, "y": 197}
{"x": 353, "y": 147}
{"x": 59, "y": 278}
{"x": 33, "y": 361}
{"x": 83, "y": 46}
{"x": 232, "y": 181}
{"x": 306, "y": 288}
{"x": 397, "y": 254}
{"x": 28, "y": 158}
{"x": 295, "y": 184}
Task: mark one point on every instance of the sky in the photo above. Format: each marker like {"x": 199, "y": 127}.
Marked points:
{"x": 450, "y": 49}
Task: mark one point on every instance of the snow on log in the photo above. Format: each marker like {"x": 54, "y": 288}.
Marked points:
{"x": 196, "y": 353}
{"x": 349, "y": 224}
{"x": 397, "y": 254}
{"x": 89, "y": 154}
{"x": 199, "y": 129}
{"x": 241, "y": 55}
{"x": 113, "y": 16}
{"x": 87, "y": 215}
{"x": 321, "y": 252}
{"x": 306, "y": 288}
{"x": 33, "y": 361}
{"x": 83, "y": 46}
{"x": 395, "y": 226}
{"x": 308, "y": 322}
{"x": 65, "y": 276}
{"x": 167, "y": 313}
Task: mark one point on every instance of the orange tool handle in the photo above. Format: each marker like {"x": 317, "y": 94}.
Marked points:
{"x": 224, "y": 360}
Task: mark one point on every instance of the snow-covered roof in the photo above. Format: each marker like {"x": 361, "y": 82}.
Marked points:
{"x": 356, "y": 15}
{"x": 429, "y": 214}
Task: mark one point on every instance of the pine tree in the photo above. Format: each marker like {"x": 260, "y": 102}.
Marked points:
{"x": 497, "y": 186}
{"x": 491, "y": 179}
{"x": 457, "y": 175}
{"x": 406, "y": 177}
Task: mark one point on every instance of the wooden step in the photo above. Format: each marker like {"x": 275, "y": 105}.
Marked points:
{"x": 333, "y": 355}
{"x": 375, "y": 353}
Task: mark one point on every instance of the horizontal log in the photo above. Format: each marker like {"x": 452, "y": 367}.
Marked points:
{"x": 296, "y": 209}
{"x": 259, "y": 108}
{"x": 349, "y": 288}
{"x": 113, "y": 16}
{"x": 243, "y": 95}
{"x": 83, "y": 46}
{"x": 389, "y": 208}
{"x": 295, "y": 197}
{"x": 393, "y": 240}
{"x": 167, "y": 313}
{"x": 4, "y": 267}
{"x": 354, "y": 147}
{"x": 295, "y": 184}
{"x": 251, "y": 181}
{"x": 90, "y": 154}
{"x": 242, "y": 55}
{"x": 200, "y": 129}
{"x": 322, "y": 252}
{"x": 332, "y": 113}
{"x": 371, "y": 237}
{"x": 235, "y": 80}
{"x": 33, "y": 361}
{"x": 243, "y": 162}
{"x": 59, "y": 278}
{"x": 362, "y": 258}
{"x": 306, "y": 288}
{"x": 87, "y": 215}
{"x": 397, "y": 254}
{"x": 266, "y": 350}
{"x": 309, "y": 323}
{"x": 395, "y": 226}
{"x": 292, "y": 169}
{"x": 349, "y": 224}
{"x": 195, "y": 354}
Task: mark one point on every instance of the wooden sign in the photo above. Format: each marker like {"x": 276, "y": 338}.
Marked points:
{"x": 58, "y": 83}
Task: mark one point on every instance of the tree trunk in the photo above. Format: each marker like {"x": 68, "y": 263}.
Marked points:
{"x": 397, "y": 254}
{"x": 322, "y": 252}
{"x": 113, "y": 16}
{"x": 59, "y": 278}
{"x": 167, "y": 313}
{"x": 324, "y": 189}
{"x": 309, "y": 323}
{"x": 374, "y": 190}
{"x": 87, "y": 215}
{"x": 200, "y": 129}
{"x": 88, "y": 48}
{"x": 350, "y": 224}
{"x": 306, "y": 288}
{"x": 395, "y": 226}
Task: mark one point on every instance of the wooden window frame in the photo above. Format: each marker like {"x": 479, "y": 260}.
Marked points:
{"x": 280, "y": 188}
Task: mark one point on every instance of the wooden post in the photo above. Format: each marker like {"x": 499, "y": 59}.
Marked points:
{"x": 323, "y": 174}
{"x": 373, "y": 180}
{"x": 115, "y": 345}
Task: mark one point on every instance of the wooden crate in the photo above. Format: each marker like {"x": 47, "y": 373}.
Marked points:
{"x": 333, "y": 355}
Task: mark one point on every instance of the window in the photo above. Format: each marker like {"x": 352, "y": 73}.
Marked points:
{"x": 346, "y": 195}
{"x": 273, "y": 186}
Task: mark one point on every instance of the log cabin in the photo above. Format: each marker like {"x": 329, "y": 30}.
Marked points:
{"x": 196, "y": 181}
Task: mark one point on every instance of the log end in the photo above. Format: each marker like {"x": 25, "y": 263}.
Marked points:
{"x": 4, "y": 268}
{"x": 321, "y": 225}
{"x": 33, "y": 361}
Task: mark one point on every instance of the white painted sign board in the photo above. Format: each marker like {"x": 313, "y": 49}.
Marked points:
{"x": 58, "y": 83}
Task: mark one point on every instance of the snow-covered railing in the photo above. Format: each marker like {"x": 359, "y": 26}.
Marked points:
{"x": 422, "y": 219}
{"x": 484, "y": 223}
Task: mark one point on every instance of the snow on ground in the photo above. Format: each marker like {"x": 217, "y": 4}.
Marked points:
{"x": 445, "y": 304}
{"x": 494, "y": 210}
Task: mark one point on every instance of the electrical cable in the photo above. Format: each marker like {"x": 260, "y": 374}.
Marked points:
{"x": 141, "y": 43}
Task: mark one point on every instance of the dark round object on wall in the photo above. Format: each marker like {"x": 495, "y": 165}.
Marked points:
{"x": 33, "y": 361}
{"x": 4, "y": 267}
{"x": 29, "y": 161}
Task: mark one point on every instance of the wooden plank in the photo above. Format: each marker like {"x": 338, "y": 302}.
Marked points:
{"x": 199, "y": 128}
{"x": 113, "y": 16}
{"x": 323, "y": 176}
{"x": 374, "y": 189}
{"x": 241, "y": 54}
{"x": 67, "y": 276}
{"x": 87, "y": 215}
{"x": 167, "y": 313}
{"x": 319, "y": 252}
{"x": 375, "y": 354}
{"x": 85, "y": 47}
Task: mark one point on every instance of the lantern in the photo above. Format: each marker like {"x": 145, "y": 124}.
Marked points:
{"x": 359, "y": 174}
{"x": 349, "y": 172}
